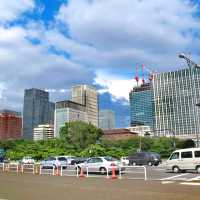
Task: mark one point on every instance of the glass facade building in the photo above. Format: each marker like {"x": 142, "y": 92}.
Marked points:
{"x": 176, "y": 95}
{"x": 142, "y": 106}
{"x": 37, "y": 110}
{"x": 106, "y": 119}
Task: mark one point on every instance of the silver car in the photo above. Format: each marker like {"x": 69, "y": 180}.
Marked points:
{"x": 56, "y": 161}
{"x": 100, "y": 165}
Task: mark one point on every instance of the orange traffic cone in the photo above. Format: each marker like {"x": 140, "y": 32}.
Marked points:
{"x": 81, "y": 175}
{"x": 58, "y": 171}
{"x": 113, "y": 173}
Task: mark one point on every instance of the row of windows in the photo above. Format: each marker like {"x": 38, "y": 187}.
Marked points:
{"x": 186, "y": 154}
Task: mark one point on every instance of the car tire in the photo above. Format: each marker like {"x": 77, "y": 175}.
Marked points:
{"x": 175, "y": 169}
{"x": 198, "y": 169}
{"x": 102, "y": 170}
{"x": 149, "y": 163}
{"x": 134, "y": 163}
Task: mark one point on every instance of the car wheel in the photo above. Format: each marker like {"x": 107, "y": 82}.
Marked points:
{"x": 102, "y": 170}
{"x": 150, "y": 163}
{"x": 176, "y": 169}
{"x": 134, "y": 163}
{"x": 198, "y": 169}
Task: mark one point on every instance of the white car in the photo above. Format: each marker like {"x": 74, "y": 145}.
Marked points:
{"x": 124, "y": 160}
{"x": 54, "y": 161}
{"x": 69, "y": 159}
{"x": 100, "y": 165}
{"x": 27, "y": 160}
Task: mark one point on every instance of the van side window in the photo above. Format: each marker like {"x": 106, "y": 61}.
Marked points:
{"x": 197, "y": 154}
{"x": 187, "y": 154}
{"x": 174, "y": 156}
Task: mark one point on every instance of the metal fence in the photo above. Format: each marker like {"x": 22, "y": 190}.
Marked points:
{"x": 124, "y": 172}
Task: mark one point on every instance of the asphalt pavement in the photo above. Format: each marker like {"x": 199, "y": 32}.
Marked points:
{"x": 17, "y": 186}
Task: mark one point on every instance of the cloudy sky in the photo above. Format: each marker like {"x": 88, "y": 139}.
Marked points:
{"x": 54, "y": 44}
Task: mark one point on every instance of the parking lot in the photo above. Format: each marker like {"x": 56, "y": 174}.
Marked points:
{"x": 15, "y": 186}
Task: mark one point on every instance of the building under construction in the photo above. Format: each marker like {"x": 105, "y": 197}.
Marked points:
{"x": 10, "y": 125}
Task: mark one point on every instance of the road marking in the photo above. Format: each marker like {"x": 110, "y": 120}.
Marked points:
{"x": 172, "y": 177}
{"x": 187, "y": 183}
{"x": 167, "y": 182}
{"x": 195, "y": 178}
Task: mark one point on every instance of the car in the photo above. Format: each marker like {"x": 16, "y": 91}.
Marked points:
{"x": 124, "y": 160}
{"x": 69, "y": 159}
{"x": 54, "y": 161}
{"x": 100, "y": 165}
{"x": 78, "y": 160}
{"x": 183, "y": 160}
{"x": 27, "y": 160}
{"x": 145, "y": 158}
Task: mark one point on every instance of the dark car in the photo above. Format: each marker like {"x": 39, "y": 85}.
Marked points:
{"x": 78, "y": 160}
{"x": 145, "y": 158}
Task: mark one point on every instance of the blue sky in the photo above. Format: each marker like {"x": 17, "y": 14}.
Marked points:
{"x": 54, "y": 44}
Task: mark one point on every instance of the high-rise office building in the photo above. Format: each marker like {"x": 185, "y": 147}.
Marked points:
{"x": 176, "y": 95}
{"x": 88, "y": 96}
{"x": 43, "y": 132}
{"x": 37, "y": 110}
{"x": 142, "y": 106}
{"x": 106, "y": 119}
{"x": 67, "y": 111}
{"x": 10, "y": 125}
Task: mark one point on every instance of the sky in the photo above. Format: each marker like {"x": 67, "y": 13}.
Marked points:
{"x": 54, "y": 44}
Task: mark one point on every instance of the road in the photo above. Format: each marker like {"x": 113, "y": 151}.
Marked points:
{"x": 15, "y": 186}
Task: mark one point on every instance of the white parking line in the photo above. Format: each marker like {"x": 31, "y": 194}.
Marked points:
{"x": 167, "y": 182}
{"x": 172, "y": 177}
{"x": 187, "y": 183}
{"x": 194, "y": 179}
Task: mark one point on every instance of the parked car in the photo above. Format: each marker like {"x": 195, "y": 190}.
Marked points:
{"x": 69, "y": 159}
{"x": 100, "y": 165}
{"x": 145, "y": 158}
{"x": 27, "y": 160}
{"x": 78, "y": 160}
{"x": 184, "y": 159}
{"x": 56, "y": 161}
{"x": 124, "y": 160}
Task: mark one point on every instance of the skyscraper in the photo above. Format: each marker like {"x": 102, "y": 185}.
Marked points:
{"x": 88, "y": 96}
{"x": 176, "y": 95}
{"x": 67, "y": 111}
{"x": 106, "y": 119}
{"x": 37, "y": 110}
{"x": 142, "y": 106}
{"x": 10, "y": 125}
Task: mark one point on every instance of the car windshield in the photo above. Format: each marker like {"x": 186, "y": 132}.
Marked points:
{"x": 110, "y": 158}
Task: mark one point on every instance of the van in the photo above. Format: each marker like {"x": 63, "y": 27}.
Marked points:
{"x": 184, "y": 159}
{"x": 145, "y": 158}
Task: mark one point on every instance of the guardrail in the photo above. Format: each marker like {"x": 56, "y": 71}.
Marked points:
{"x": 122, "y": 172}
{"x": 127, "y": 170}
{"x": 28, "y": 168}
{"x": 69, "y": 170}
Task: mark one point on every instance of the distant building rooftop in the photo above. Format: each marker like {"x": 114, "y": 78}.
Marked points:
{"x": 70, "y": 104}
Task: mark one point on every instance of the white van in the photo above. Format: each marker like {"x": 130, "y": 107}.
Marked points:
{"x": 184, "y": 159}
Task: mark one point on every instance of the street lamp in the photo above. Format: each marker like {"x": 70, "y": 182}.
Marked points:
{"x": 192, "y": 64}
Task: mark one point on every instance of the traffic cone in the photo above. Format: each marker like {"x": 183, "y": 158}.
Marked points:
{"x": 58, "y": 171}
{"x": 113, "y": 173}
{"x": 81, "y": 175}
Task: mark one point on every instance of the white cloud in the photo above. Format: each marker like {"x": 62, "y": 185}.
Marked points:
{"x": 129, "y": 31}
{"x": 118, "y": 87}
{"x": 12, "y": 9}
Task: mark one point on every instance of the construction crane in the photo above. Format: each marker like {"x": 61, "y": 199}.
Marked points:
{"x": 144, "y": 68}
{"x": 189, "y": 61}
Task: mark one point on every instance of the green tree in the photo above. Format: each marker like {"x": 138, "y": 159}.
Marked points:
{"x": 80, "y": 134}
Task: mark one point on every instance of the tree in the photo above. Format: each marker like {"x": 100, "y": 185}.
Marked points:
{"x": 188, "y": 144}
{"x": 80, "y": 134}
